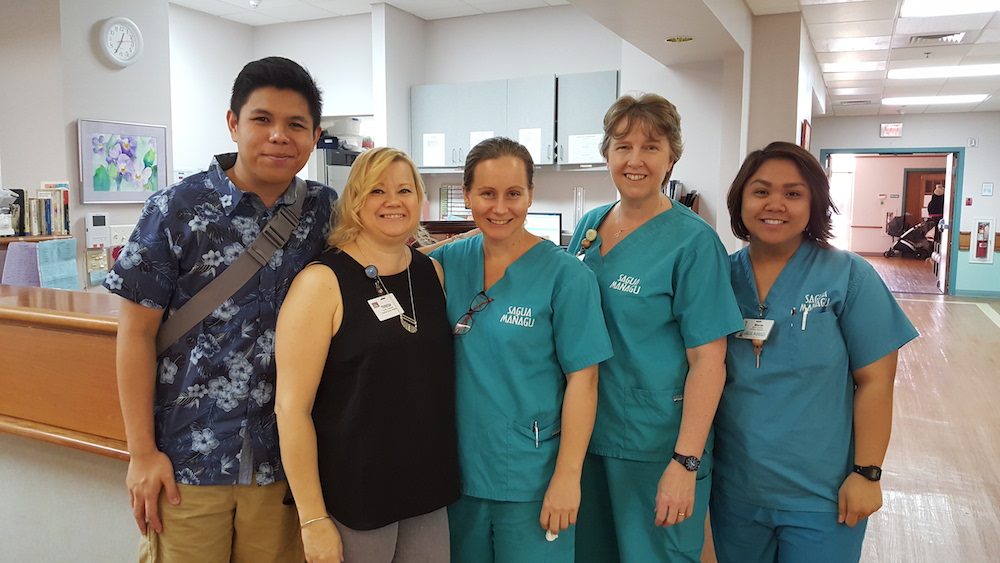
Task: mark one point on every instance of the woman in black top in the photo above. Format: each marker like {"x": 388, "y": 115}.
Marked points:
{"x": 365, "y": 385}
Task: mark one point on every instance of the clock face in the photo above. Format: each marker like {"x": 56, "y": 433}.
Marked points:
{"x": 121, "y": 41}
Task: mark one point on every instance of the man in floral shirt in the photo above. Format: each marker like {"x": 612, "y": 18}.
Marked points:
{"x": 205, "y": 477}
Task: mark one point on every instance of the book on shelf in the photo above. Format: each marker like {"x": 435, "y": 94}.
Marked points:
{"x": 56, "y": 198}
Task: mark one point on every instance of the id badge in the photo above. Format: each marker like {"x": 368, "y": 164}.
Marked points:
{"x": 385, "y": 307}
{"x": 755, "y": 329}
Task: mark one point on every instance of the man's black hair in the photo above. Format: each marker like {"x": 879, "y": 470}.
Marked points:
{"x": 281, "y": 73}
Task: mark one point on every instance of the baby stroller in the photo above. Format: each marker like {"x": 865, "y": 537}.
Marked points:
{"x": 907, "y": 240}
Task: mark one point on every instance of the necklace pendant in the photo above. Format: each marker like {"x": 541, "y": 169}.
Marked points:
{"x": 409, "y": 323}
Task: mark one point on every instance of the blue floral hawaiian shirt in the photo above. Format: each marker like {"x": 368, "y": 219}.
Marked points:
{"x": 214, "y": 405}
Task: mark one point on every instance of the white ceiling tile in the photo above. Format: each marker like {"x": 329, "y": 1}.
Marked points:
{"x": 935, "y": 56}
{"x": 444, "y": 13}
{"x": 557, "y": 2}
{"x": 492, "y": 6}
{"x": 925, "y": 26}
{"x": 298, "y": 12}
{"x": 211, "y": 7}
{"x": 845, "y": 76}
{"x": 848, "y": 111}
{"x": 414, "y": 6}
{"x": 852, "y": 56}
{"x": 848, "y": 12}
{"x": 252, "y": 18}
{"x": 872, "y": 28}
{"x": 344, "y": 7}
{"x": 856, "y": 84}
{"x": 989, "y": 36}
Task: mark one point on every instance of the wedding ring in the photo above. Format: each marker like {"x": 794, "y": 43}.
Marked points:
{"x": 680, "y": 514}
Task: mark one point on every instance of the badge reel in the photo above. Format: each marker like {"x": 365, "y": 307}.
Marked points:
{"x": 588, "y": 239}
{"x": 756, "y": 331}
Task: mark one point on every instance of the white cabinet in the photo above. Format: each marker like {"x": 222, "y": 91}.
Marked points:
{"x": 583, "y": 100}
{"x": 448, "y": 119}
{"x": 531, "y": 115}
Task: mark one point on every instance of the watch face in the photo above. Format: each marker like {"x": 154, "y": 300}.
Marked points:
{"x": 692, "y": 464}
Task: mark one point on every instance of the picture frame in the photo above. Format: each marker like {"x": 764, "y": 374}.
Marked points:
{"x": 121, "y": 162}
{"x": 805, "y": 138}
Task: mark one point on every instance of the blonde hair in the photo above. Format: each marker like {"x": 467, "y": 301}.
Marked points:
{"x": 366, "y": 173}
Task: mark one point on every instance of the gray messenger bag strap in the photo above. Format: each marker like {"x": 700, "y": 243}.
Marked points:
{"x": 274, "y": 236}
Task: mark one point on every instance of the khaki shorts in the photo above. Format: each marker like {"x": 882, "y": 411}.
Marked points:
{"x": 223, "y": 523}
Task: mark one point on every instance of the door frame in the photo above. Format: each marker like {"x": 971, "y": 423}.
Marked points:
{"x": 907, "y": 172}
{"x": 956, "y": 210}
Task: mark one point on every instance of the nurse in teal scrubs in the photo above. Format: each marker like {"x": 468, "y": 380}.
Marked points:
{"x": 529, "y": 335}
{"x": 804, "y": 421}
{"x": 663, "y": 277}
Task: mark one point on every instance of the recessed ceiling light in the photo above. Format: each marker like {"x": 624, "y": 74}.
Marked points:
{"x": 945, "y": 71}
{"x": 858, "y": 66}
{"x": 679, "y": 39}
{"x": 934, "y": 100}
{"x": 935, "y": 8}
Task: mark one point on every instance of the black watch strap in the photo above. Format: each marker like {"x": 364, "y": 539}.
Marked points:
{"x": 689, "y": 462}
{"x": 870, "y": 472}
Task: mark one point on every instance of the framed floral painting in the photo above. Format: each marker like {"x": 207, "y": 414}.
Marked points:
{"x": 121, "y": 162}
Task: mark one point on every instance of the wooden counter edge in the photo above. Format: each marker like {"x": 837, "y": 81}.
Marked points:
{"x": 59, "y": 319}
{"x": 61, "y": 437}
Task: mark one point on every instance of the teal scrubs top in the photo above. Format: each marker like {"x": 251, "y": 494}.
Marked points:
{"x": 544, "y": 322}
{"x": 784, "y": 431}
{"x": 664, "y": 288}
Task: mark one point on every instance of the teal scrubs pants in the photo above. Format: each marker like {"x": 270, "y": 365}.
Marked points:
{"x": 618, "y": 513}
{"x": 747, "y": 533}
{"x": 490, "y": 531}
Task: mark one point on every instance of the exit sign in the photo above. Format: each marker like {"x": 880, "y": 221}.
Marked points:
{"x": 891, "y": 130}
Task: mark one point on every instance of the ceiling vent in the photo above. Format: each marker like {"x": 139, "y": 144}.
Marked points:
{"x": 936, "y": 39}
{"x": 855, "y": 102}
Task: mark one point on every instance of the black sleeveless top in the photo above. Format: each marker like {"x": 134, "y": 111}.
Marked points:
{"x": 385, "y": 406}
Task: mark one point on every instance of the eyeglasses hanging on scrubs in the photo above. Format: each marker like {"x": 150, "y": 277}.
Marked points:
{"x": 478, "y": 304}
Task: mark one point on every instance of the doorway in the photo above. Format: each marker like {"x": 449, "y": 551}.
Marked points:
{"x": 884, "y": 184}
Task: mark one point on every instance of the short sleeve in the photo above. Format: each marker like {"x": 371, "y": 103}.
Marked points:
{"x": 872, "y": 323}
{"x": 146, "y": 271}
{"x": 580, "y": 332}
{"x": 704, "y": 303}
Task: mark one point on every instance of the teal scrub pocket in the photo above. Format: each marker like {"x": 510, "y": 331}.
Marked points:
{"x": 819, "y": 343}
{"x": 653, "y": 420}
{"x": 532, "y": 457}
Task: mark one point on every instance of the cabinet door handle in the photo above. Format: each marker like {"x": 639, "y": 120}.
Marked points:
{"x": 548, "y": 153}
{"x": 461, "y": 156}
{"x": 453, "y": 153}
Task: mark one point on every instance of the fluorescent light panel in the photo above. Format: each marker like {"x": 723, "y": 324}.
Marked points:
{"x": 936, "y": 8}
{"x": 934, "y": 100}
{"x": 944, "y": 71}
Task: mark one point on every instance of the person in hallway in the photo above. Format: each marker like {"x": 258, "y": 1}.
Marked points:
{"x": 935, "y": 210}
{"x": 662, "y": 273}
{"x": 205, "y": 479}
{"x": 805, "y": 417}
{"x": 528, "y": 337}
{"x": 366, "y": 388}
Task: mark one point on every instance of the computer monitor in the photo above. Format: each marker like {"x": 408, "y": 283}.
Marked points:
{"x": 545, "y": 225}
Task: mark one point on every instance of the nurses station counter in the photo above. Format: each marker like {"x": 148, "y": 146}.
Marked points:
{"x": 57, "y": 368}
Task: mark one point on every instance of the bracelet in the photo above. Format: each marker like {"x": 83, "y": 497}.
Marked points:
{"x": 307, "y": 522}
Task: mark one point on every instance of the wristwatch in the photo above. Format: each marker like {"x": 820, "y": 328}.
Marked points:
{"x": 870, "y": 472}
{"x": 689, "y": 462}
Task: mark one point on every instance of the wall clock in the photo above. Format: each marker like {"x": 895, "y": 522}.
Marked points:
{"x": 121, "y": 41}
